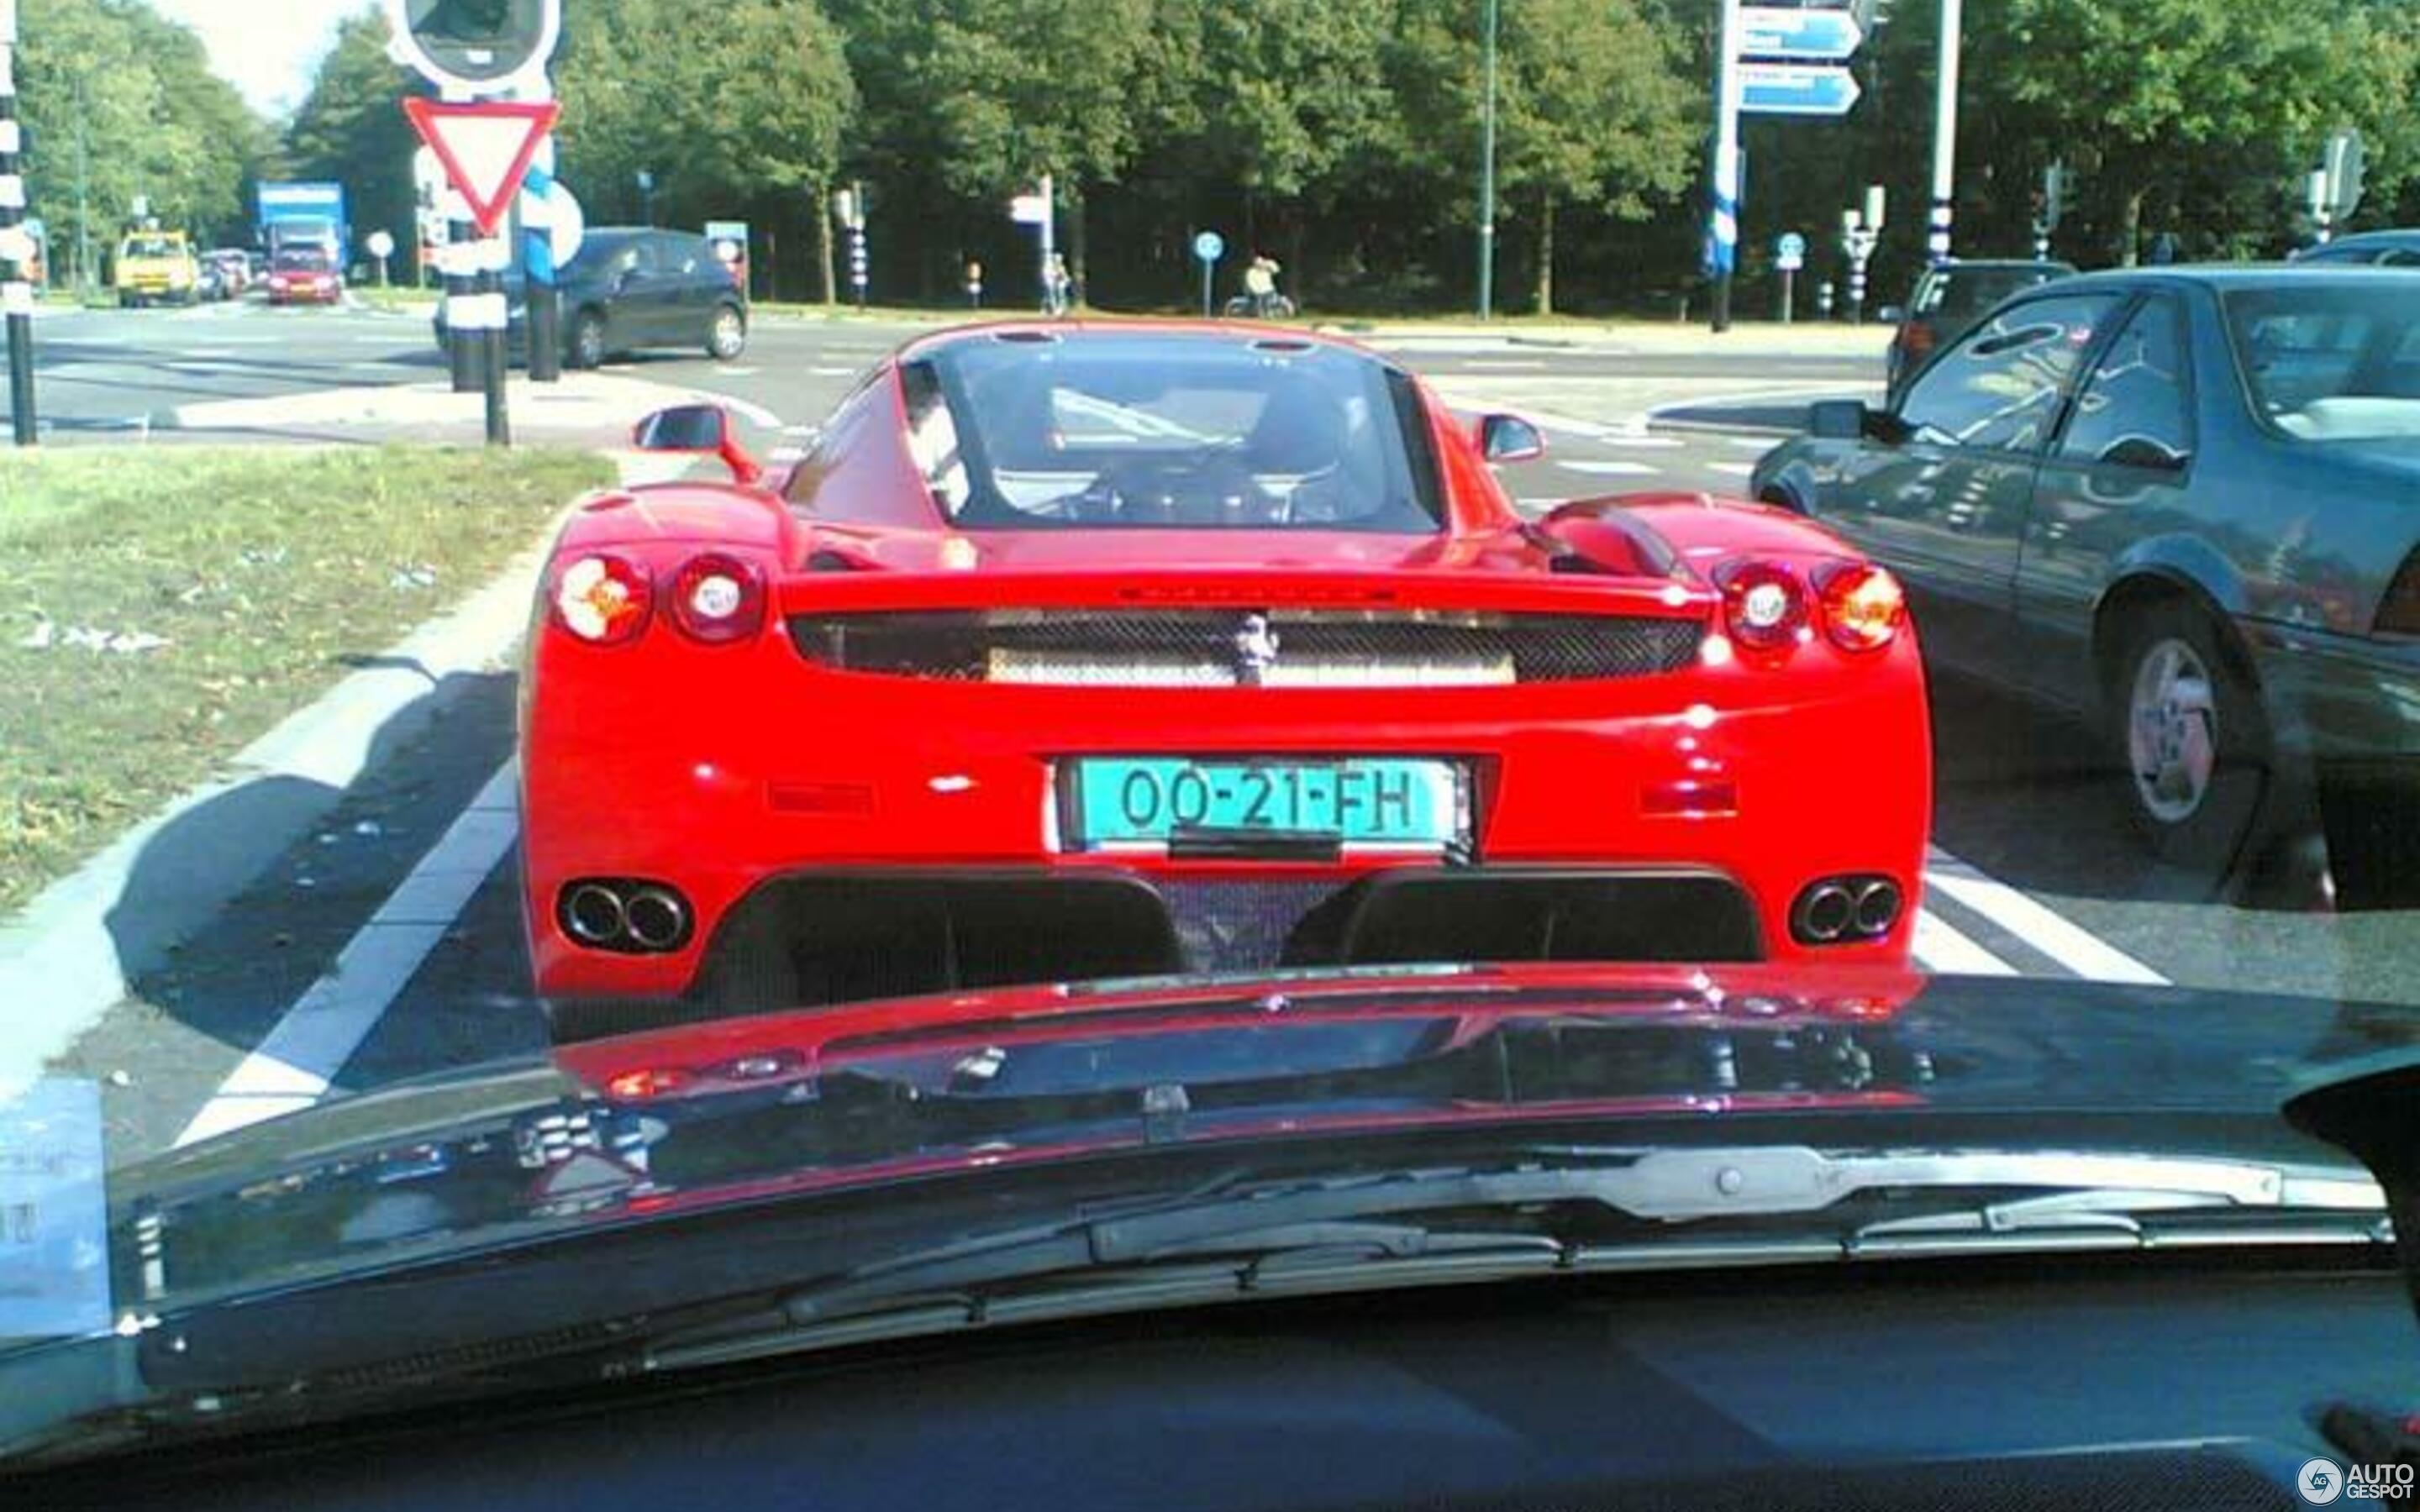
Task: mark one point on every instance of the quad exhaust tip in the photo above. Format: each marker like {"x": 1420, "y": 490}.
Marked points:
{"x": 626, "y": 915}
{"x": 1846, "y": 910}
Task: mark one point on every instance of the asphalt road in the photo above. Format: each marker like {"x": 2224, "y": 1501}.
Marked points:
{"x": 2037, "y": 873}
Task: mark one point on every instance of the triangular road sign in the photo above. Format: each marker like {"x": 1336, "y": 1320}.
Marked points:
{"x": 485, "y": 149}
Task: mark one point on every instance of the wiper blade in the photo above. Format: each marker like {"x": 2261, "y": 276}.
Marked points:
{"x": 1223, "y": 1243}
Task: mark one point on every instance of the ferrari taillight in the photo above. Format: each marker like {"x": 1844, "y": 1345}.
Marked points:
{"x": 718, "y": 598}
{"x": 1862, "y": 605}
{"x": 2398, "y": 612}
{"x": 603, "y": 599}
{"x": 649, "y": 1082}
{"x": 1764, "y": 605}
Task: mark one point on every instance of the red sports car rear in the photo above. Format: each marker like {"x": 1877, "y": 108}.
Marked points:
{"x": 1075, "y": 651}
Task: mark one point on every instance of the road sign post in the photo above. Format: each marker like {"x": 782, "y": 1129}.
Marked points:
{"x": 1945, "y": 133}
{"x": 380, "y": 246}
{"x": 859, "y": 271}
{"x": 486, "y": 149}
{"x": 16, "y": 242}
{"x": 470, "y": 49}
{"x": 1208, "y": 247}
{"x": 1789, "y": 257}
{"x": 1722, "y": 222}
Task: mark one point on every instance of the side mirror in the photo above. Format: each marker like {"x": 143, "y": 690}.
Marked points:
{"x": 699, "y": 428}
{"x": 1510, "y": 439}
{"x": 685, "y": 428}
{"x": 1837, "y": 420}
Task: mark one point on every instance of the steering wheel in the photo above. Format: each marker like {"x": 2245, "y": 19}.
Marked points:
{"x": 1208, "y": 486}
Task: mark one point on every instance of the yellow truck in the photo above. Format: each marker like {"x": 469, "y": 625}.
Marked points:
{"x": 157, "y": 265}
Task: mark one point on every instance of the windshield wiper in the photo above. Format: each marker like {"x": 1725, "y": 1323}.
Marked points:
{"x": 1425, "y": 1226}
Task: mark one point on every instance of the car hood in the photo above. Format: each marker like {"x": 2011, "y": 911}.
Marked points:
{"x": 978, "y": 1086}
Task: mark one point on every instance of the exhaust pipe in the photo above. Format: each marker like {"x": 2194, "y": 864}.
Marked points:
{"x": 1877, "y": 910}
{"x": 656, "y": 918}
{"x": 593, "y": 914}
{"x": 1825, "y": 911}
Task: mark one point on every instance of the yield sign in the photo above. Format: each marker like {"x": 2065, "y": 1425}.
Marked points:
{"x": 485, "y": 149}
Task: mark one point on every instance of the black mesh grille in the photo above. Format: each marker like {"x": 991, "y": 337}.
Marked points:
{"x": 1199, "y": 646}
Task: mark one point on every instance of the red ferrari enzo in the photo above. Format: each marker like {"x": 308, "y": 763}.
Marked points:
{"x": 1078, "y": 651}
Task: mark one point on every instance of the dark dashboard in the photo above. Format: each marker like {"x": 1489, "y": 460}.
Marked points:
{"x": 2142, "y": 1382}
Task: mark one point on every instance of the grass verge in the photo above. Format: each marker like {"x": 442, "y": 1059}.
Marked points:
{"x": 225, "y": 588}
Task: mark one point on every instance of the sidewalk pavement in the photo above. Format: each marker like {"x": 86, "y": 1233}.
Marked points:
{"x": 585, "y": 409}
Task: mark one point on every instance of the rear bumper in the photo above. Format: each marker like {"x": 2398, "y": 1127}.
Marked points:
{"x": 725, "y": 771}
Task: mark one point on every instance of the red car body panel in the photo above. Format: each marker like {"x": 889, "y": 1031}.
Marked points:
{"x": 718, "y": 768}
{"x": 747, "y": 1060}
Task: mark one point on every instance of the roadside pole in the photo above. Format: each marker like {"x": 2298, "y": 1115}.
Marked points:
{"x": 1049, "y": 224}
{"x": 859, "y": 272}
{"x": 1945, "y": 134}
{"x": 495, "y": 255}
{"x": 1487, "y": 171}
{"x": 16, "y": 242}
{"x": 1722, "y": 224}
{"x": 454, "y": 260}
{"x": 545, "y": 318}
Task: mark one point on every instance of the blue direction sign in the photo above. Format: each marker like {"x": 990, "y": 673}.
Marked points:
{"x": 1789, "y": 252}
{"x": 1809, "y": 36}
{"x": 1795, "y": 89}
{"x": 1209, "y": 246}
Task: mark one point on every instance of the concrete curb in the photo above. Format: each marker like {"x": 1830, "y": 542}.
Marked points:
{"x": 63, "y": 965}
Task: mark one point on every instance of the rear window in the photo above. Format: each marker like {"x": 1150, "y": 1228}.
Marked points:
{"x": 301, "y": 261}
{"x": 2335, "y": 362}
{"x": 1966, "y": 293}
{"x": 148, "y": 247}
{"x": 1113, "y": 431}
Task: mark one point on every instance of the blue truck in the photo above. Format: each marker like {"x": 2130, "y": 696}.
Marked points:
{"x": 298, "y": 214}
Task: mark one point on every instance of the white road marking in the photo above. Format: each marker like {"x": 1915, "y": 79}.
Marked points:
{"x": 757, "y": 412}
{"x": 736, "y": 371}
{"x": 301, "y": 1054}
{"x": 1504, "y": 364}
{"x": 2054, "y": 935}
{"x": 1945, "y": 952}
{"x": 1752, "y": 444}
{"x": 833, "y": 372}
{"x": 1615, "y": 469}
{"x": 800, "y": 430}
{"x": 786, "y": 454}
{"x": 1737, "y": 469}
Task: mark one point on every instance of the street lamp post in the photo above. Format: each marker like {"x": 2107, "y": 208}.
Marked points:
{"x": 1487, "y": 166}
{"x": 1722, "y": 218}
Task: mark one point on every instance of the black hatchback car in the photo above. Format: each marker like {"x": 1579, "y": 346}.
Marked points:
{"x": 633, "y": 288}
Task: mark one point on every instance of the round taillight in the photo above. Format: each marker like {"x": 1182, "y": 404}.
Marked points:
{"x": 1765, "y": 607}
{"x": 718, "y": 599}
{"x": 603, "y": 599}
{"x": 1863, "y": 606}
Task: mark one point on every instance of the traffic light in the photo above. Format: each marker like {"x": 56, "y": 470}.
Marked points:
{"x": 477, "y": 46}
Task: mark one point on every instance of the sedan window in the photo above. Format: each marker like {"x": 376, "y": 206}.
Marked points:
{"x": 2002, "y": 385}
{"x": 2329, "y": 362}
{"x": 2133, "y": 408}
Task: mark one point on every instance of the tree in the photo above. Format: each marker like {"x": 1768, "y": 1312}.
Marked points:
{"x": 2163, "y": 97}
{"x": 119, "y": 103}
{"x": 732, "y": 105}
{"x": 350, "y": 128}
{"x": 1593, "y": 109}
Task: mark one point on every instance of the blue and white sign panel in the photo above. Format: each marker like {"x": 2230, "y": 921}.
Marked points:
{"x": 1807, "y": 36}
{"x": 1795, "y": 89}
{"x": 1789, "y": 252}
{"x": 1209, "y": 246}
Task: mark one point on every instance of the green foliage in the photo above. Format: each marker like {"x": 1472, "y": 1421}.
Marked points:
{"x": 351, "y": 128}
{"x": 731, "y": 104}
{"x": 119, "y": 103}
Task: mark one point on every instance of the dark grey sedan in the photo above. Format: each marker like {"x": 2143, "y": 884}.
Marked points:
{"x": 2186, "y": 502}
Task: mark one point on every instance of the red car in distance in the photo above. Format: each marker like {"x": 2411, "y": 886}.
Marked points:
{"x": 1077, "y": 651}
{"x": 303, "y": 275}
